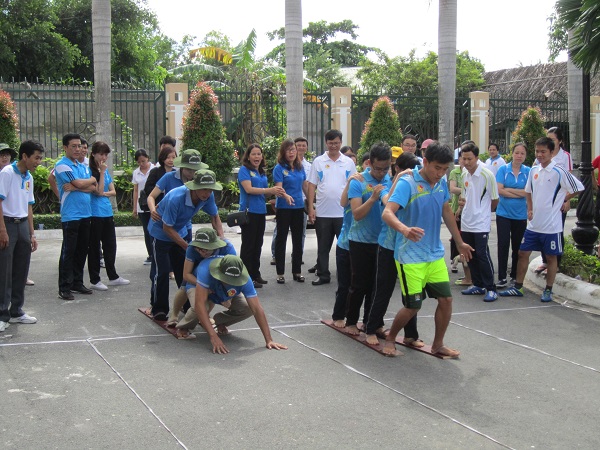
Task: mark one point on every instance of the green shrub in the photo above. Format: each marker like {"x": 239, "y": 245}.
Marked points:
{"x": 529, "y": 129}
{"x": 383, "y": 125}
{"x": 574, "y": 262}
{"x": 9, "y": 121}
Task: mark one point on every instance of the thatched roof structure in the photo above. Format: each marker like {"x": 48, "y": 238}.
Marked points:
{"x": 542, "y": 81}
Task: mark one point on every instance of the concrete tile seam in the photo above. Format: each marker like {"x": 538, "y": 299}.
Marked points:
{"x": 402, "y": 394}
{"x": 133, "y": 391}
{"x": 526, "y": 347}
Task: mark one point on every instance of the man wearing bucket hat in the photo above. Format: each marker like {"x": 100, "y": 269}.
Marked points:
{"x": 225, "y": 281}
{"x": 169, "y": 228}
{"x": 7, "y": 155}
{"x": 206, "y": 244}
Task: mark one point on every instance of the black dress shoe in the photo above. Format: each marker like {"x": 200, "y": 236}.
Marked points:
{"x": 320, "y": 281}
{"x": 261, "y": 281}
{"x": 82, "y": 290}
{"x": 66, "y": 295}
{"x": 313, "y": 269}
{"x": 256, "y": 284}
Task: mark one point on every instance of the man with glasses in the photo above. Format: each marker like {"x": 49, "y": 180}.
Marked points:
{"x": 75, "y": 185}
{"x": 364, "y": 232}
{"x": 328, "y": 176}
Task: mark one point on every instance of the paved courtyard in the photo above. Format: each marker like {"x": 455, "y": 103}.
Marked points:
{"x": 95, "y": 373}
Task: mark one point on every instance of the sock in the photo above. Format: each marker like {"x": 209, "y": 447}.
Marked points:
{"x": 549, "y": 288}
{"x": 518, "y": 285}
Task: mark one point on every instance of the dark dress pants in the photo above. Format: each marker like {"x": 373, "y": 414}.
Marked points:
{"x": 481, "y": 265}
{"x": 363, "y": 259}
{"x": 167, "y": 256}
{"x": 510, "y": 234}
{"x": 326, "y": 229}
{"x": 74, "y": 250}
{"x": 289, "y": 219}
{"x": 102, "y": 231}
{"x": 252, "y": 241}
{"x": 14, "y": 267}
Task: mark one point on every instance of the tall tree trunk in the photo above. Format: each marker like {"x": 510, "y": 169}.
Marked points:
{"x": 446, "y": 71}
{"x": 293, "y": 67}
{"x": 575, "y": 87}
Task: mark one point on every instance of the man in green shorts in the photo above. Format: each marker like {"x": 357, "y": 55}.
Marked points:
{"x": 415, "y": 210}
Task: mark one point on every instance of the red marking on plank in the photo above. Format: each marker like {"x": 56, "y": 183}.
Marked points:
{"x": 160, "y": 323}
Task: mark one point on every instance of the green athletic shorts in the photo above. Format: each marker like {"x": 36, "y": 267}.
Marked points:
{"x": 421, "y": 280}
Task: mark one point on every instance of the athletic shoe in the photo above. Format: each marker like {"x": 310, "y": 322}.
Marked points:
{"x": 102, "y": 262}
{"x": 501, "y": 283}
{"x": 148, "y": 261}
{"x": 473, "y": 290}
{"x": 546, "y": 296}
{"x": 99, "y": 286}
{"x": 25, "y": 318}
{"x": 512, "y": 292}
{"x": 4, "y": 325}
{"x": 29, "y": 282}
{"x": 491, "y": 296}
{"x": 118, "y": 282}
{"x": 66, "y": 295}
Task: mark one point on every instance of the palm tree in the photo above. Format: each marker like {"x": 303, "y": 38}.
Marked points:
{"x": 293, "y": 67}
{"x": 101, "y": 19}
{"x": 446, "y": 70}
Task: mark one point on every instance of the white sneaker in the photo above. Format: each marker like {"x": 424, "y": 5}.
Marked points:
{"x": 118, "y": 282}
{"x": 25, "y": 318}
{"x": 99, "y": 286}
{"x": 3, "y": 325}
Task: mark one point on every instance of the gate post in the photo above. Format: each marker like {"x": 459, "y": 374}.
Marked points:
{"x": 595, "y": 122}
{"x": 177, "y": 100}
{"x": 480, "y": 121}
{"x": 341, "y": 112}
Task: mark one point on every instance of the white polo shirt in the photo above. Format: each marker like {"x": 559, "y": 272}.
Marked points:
{"x": 330, "y": 178}
{"x": 548, "y": 188}
{"x": 306, "y": 166}
{"x": 479, "y": 190}
{"x": 16, "y": 191}
{"x": 563, "y": 159}
{"x": 495, "y": 164}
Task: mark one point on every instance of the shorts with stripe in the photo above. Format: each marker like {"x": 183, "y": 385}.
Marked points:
{"x": 421, "y": 280}
{"x": 550, "y": 244}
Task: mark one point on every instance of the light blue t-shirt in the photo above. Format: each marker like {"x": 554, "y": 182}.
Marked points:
{"x": 193, "y": 256}
{"x": 254, "y": 203}
{"x": 101, "y": 206}
{"x": 368, "y": 228}
{"x": 291, "y": 180}
{"x": 420, "y": 206}
{"x": 176, "y": 210}
{"x": 342, "y": 241}
{"x": 170, "y": 181}
{"x": 387, "y": 235}
{"x": 512, "y": 208}
{"x": 219, "y": 291}
{"x": 74, "y": 205}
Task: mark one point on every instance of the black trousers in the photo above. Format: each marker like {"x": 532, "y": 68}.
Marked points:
{"x": 145, "y": 219}
{"x": 326, "y": 229}
{"x": 293, "y": 220}
{"x": 252, "y": 241}
{"x": 73, "y": 253}
{"x": 363, "y": 259}
{"x": 510, "y": 234}
{"x": 386, "y": 275}
{"x": 344, "y": 275}
{"x": 481, "y": 265}
{"x": 102, "y": 232}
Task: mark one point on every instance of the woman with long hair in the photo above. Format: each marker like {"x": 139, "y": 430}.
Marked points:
{"x": 165, "y": 165}
{"x": 289, "y": 175}
{"x": 254, "y": 186}
{"x": 139, "y": 178}
{"x": 511, "y": 213}
{"x": 102, "y": 230}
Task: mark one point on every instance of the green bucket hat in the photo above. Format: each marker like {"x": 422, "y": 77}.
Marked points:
{"x": 207, "y": 239}
{"x": 230, "y": 270}
{"x": 190, "y": 159}
{"x": 5, "y": 148}
{"x": 204, "y": 179}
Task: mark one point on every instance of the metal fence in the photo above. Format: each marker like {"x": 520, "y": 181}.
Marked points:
{"x": 417, "y": 116}
{"x": 505, "y": 115}
{"x": 49, "y": 111}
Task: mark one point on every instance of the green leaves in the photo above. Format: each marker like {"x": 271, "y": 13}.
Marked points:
{"x": 583, "y": 18}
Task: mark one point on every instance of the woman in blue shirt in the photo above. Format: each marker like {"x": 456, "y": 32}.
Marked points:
{"x": 103, "y": 225}
{"x": 289, "y": 175}
{"x": 511, "y": 213}
{"x": 252, "y": 180}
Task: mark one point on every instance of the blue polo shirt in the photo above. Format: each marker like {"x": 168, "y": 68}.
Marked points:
{"x": 74, "y": 205}
{"x": 169, "y": 181}
{"x": 176, "y": 210}
{"x": 342, "y": 241}
{"x": 420, "y": 206}
{"x": 368, "y": 228}
{"x": 195, "y": 258}
{"x": 252, "y": 202}
{"x": 512, "y": 208}
{"x": 101, "y": 206}
{"x": 219, "y": 291}
{"x": 291, "y": 180}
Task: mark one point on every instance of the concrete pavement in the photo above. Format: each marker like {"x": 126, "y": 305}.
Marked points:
{"x": 96, "y": 373}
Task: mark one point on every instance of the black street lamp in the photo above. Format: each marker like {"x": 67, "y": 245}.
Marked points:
{"x": 585, "y": 233}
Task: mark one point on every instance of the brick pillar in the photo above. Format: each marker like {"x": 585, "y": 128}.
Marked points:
{"x": 341, "y": 112}
{"x": 177, "y": 100}
{"x": 480, "y": 119}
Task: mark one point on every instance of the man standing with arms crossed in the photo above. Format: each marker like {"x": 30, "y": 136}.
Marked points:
{"x": 328, "y": 177}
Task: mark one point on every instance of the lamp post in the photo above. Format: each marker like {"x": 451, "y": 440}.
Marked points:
{"x": 585, "y": 233}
